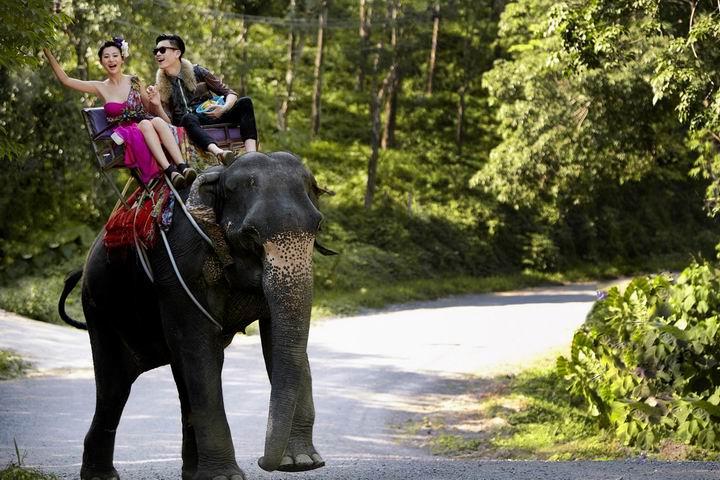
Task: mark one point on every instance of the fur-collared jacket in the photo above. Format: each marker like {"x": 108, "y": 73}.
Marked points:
{"x": 191, "y": 87}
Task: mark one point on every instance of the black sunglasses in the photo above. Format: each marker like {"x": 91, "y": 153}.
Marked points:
{"x": 163, "y": 49}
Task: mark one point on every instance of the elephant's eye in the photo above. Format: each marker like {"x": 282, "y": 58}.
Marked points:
{"x": 240, "y": 183}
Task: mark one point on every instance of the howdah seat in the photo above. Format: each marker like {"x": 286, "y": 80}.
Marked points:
{"x": 109, "y": 150}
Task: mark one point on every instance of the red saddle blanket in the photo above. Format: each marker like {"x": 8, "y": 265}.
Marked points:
{"x": 146, "y": 212}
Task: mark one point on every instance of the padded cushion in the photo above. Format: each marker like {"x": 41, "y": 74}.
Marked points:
{"x": 223, "y": 132}
{"x": 96, "y": 122}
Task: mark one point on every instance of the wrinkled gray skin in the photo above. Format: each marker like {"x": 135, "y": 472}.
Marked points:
{"x": 262, "y": 213}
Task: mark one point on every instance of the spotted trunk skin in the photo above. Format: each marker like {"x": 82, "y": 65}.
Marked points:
{"x": 288, "y": 286}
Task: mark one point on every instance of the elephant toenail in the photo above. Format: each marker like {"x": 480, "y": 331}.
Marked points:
{"x": 317, "y": 458}
{"x": 303, "y": 460}
{"x": 286, "y": 461}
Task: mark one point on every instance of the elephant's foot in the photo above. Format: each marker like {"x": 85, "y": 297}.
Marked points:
{"x": 233, "y": 473}
{"x": 90, "y": 474}
{"x": 297, "y": 458}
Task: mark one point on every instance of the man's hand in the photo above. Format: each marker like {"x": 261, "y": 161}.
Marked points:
{"x": 153, "y": 95}
{"x": 215, "y": 111}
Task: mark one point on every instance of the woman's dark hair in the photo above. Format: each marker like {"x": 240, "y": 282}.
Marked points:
{"x": 115, "y": 42}
{"x": 174, "y": 40}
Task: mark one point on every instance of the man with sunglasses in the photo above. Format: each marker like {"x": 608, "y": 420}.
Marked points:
{"x": 181, "y": 87}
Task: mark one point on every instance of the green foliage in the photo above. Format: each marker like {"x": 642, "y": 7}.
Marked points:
{"x": 36, "y": 296}
{"x": 15, "y": 472}
{"x": 11, "y": 365}
{"x": 513, "y": 162}
{"x": 676, "y": 43}
{"x": 646, "y": 359}
{"x": 581, "y": 151}
{"x": 24, "y": 29}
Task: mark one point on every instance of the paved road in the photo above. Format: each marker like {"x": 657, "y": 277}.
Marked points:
{"x": 369, "y": 371}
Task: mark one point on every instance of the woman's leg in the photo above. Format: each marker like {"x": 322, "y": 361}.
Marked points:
{"x": 153, "y": 143}
{"x": 168, "y": 139}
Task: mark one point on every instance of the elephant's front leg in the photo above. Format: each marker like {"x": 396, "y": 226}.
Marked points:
{"x": 300, "y": 453}
{"x": 198, "y": 357}
{"x": 189, "y": 444}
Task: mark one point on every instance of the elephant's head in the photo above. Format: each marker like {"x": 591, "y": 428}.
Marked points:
{"x": 266, "y": 207}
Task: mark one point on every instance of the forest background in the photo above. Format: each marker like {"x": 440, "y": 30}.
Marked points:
{"x": 465, "y": 140}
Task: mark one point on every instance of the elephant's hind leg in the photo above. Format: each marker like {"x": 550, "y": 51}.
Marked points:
{"x": 113, "y": 379}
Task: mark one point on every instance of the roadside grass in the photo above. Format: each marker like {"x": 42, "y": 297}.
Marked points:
{"x": 527, "y": 416}
{"x": 36, "y": 296}
{"x": 16, "y": 470}
{"x": 11, "y": 365}
{"x": 373, "y": 294}
{"x": 367, "y": 291}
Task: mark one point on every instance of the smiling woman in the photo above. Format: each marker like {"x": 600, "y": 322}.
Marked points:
{"x": 126, "y": 108}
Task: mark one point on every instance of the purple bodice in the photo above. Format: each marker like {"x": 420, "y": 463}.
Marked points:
{"x": 131, "y": 110}
{"x": 114, "y": 109}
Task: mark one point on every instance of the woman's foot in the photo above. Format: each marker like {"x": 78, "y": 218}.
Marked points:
{"x": 188, "y": 172}
{"x": 175, "y": 177}
{"x": 177, "y": 180}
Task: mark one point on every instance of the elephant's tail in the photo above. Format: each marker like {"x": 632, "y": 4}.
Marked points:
{"x": 70, "y": 282}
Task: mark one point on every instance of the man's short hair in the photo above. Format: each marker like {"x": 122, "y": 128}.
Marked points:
{"x": 174, "y": 40}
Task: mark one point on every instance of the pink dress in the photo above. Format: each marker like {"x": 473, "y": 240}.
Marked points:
{"x": 125, "y": 116}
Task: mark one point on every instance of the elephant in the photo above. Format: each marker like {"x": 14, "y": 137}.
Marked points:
{"x": 262, "y": 215}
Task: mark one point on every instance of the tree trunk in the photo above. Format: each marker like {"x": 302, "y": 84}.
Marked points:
{"x": 433, "y": 47}
{"x": 460, "y": 115}
{"x": 460, "y": 120}
{"x": 388, "y": 137}
{"x": 365, "y": 13}
{"x": 317, "y": 89}
{"x": 393, "y": 83}
{"x": 242, "y": 45}
{"x": 375, "y": 99}
{"x": 295, "y": 46}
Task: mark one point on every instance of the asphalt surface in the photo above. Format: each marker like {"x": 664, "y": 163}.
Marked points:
{"x": 369, "y": 372}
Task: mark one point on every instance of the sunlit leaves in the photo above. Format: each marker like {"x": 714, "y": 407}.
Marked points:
{"x": 646, "y": 359}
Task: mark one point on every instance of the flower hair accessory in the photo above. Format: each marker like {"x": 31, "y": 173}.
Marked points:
{"x": 123, "y": 46}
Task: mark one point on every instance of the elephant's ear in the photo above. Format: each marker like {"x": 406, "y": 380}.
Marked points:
{"x": 203, "y": 201}
{"x": 205, "y": 205}
{"x": 324, "y": 250}
{"x": 318, "y": 190}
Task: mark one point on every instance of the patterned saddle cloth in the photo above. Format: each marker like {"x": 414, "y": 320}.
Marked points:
{"x": 146, "y": 212}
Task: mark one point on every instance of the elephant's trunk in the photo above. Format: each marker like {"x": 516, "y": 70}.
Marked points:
{"x": 288, "y": 286}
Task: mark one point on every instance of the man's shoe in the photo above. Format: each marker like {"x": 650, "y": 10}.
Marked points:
{"x": 190, "y": 175}
{"x": 177, "y": 180}
{"x": 226, "y": 157}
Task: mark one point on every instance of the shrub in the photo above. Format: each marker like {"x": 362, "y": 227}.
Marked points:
{"x": 646, "y": 359}
{"x": 11, "y": 365}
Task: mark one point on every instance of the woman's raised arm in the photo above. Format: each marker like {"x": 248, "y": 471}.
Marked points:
{"x": 74, "y": 83}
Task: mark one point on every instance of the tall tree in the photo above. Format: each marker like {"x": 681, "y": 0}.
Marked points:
{"x": 364, "y": 35}
{"x": 317, "y": 83}
{"x": 393, "y": 80}
{"x": 376, "y": 97}
{"x": 433, "y": 48}
{"x": 296, "y": 41}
